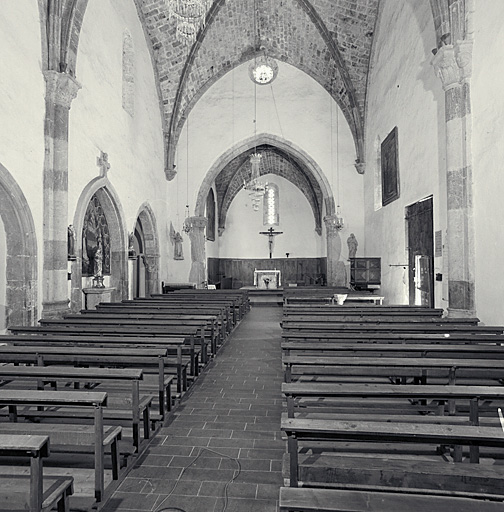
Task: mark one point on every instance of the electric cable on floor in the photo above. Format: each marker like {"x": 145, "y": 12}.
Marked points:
{"x": 228, "y": 483}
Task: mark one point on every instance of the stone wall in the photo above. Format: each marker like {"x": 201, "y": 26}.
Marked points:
{"x": 297, "y": 113}
{"x": 404, "y": 91}
{"x": 129, "y": 133}
{"x": 488, "y": 158}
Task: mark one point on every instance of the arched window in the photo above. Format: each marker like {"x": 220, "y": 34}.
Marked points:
{"x": 271, "y": 214}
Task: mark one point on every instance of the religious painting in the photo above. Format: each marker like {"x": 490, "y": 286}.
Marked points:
{"x": 390, "y": 168}
{"x": 95, "y": 240}
{"x": 210, "y": 213}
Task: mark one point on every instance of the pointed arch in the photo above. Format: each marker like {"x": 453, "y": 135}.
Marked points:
{"x": 21, "y": 258}
{"x": 147, "y": 221}
{"x": 296, "y": 153}
{"x": 112, "y": 208}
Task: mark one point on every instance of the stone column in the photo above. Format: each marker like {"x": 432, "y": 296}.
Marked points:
{"x": 61, "y": 89}
{"x": 452, "y": 64}
{"x": 336, "y": 272}
{"x": 198, "y": 258}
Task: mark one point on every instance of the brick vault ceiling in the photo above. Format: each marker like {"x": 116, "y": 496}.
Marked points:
{"x": 328, "y": 39}
{"x": 274, "y": 161}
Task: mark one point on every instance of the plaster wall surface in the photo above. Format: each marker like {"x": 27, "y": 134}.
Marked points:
{"x": 403, "y": 91}
{"x": 98, "y": 122}
{"x": 22, "y": 113}
{"x": 295, "y": 109}
{"x": 3, "y": 280}
{"x": 488, "y": 155}
{"x": 241, "y": 238}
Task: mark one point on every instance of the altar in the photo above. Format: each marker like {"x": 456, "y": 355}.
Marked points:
{"x": 267, "y": 279}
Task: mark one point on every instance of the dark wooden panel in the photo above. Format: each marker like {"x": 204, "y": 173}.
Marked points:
{"x": 300, "y": 271}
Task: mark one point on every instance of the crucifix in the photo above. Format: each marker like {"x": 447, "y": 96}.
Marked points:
{"x": 271, "y": 233}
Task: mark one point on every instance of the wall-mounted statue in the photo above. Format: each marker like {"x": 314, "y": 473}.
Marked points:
{"x": 71, "y": 243}
{"x": 131, "y": 246}
{"x": 176, "y": 238}
{"x": 352, "y": 246}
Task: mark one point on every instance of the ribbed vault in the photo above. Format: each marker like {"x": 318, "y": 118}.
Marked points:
{"x": 328, "y": 39}
{"x": 275, "y": 161}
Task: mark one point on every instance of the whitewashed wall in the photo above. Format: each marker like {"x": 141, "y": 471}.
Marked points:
{"x": 403, "y": 91}
{"x": 99, "y": 123}
{"x": 22, "y": 107}
{"x": 223, "y": 119}
{"x": 3, "y": 283}
{"x": 488, "y": 158}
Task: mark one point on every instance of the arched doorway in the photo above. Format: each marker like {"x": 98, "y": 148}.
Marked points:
{"x": 18, "y": 258}
{"x": 146, "y": 246}
{"x": 100, "y": 192}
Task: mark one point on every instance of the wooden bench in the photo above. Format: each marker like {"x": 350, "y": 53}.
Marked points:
{"x": 332, "y": 349}
{"x": 471, "y": 337}
{"x": 129, "y": 333}
{"x": 122, "y": 406}
{"x": 318, "y": 309}
{"x": 176, "y": 362}
{"x": 311, "y": 432}
{"x": 342, "y": 500}
{"x": 316, "y": 400}
{"x": 359, "y": 319}
{"x": 423, "y": 368}
{"x": 93, "y": 400}
{"x": 46, "y": 353}
{"x": 411, "y": 327}
{"x": 36, "y": 493}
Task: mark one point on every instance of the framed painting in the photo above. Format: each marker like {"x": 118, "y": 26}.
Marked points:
{"x": 390, "y": 168}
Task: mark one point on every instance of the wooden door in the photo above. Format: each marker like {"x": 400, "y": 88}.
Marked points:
{"x": 419, "y": 219}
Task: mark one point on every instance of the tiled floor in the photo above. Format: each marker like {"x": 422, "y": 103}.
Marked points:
{"x": 225, "y": 436}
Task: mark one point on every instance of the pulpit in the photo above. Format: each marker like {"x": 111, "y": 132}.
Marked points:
{"x": 267, "y": 279}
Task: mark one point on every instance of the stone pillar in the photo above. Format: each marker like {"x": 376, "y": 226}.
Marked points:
{"x": 452, "y": 64}
{"x": 336, "y": 273}
{"x": 61, "y": 89}
{"x": 198, "y": 258}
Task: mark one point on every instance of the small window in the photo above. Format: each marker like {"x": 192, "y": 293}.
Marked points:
{"x": 271, "y": 215}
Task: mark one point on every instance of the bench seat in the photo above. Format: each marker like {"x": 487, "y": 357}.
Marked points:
{"x": 337, "y": 500}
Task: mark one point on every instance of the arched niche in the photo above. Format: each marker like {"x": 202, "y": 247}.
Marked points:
{"x": 102, "y": 188}
{"x": 21, "y": 253}
{"x": 146, "y": 229}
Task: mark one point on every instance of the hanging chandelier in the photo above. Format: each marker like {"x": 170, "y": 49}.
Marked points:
{"x": 189, "y": 17}
{"x": 254, "y": 185}
{"x": 187, "y": 225}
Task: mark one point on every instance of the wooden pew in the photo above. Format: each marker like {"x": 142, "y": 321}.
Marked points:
{"x": 130, "y": 332}
{"x": 36, "y": 493}
{"x": 209, "y": 322}
{"x": 138, "y": 352}
{"x": 447, "y": 368}
{"x": 93, "y": 400}
{"x": 311, "y": 432}
{"x": 342, "y": 500}
{"x": 306, "y": 397}
{"x": 131, "y": 406}
{"x": 390, "y": 318}
{"x": 470, "y": 337}
{"x": 319, "y": 309}
{"x": 135, "y": 326}
{"x": 222, "y": 313}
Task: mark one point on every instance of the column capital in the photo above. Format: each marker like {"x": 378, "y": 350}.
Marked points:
{"x": 197, "y": 223}
{"x": 61, "y": 88}
{"x": 331, "y": 223}
{"x": 463, "y": 55}
{"x": 446, "y": 67}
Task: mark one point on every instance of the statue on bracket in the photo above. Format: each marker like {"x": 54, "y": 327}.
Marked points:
{"x": 352, "y": 246}
{"x": 176, "y": 238}
{"x": 131, "y": 246}
{"x": 71, "y": 243}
